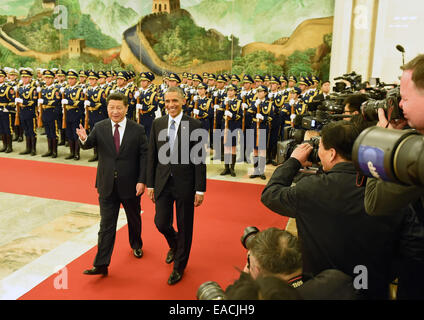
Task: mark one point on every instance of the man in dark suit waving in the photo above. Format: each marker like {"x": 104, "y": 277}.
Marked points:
{"x": 121, "y": 177}
{"x": 176, "y": 173}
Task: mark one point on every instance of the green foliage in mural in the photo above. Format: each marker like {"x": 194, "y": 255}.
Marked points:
{"x": 258, "y": 62}
{"x": 299, "y": 63}
{"x": 42, "y": 35}
{"x": 183, "y": 43}
{"x": 9, "y": 59}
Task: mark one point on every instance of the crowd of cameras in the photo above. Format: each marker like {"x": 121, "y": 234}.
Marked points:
{"x": 402, "y": 151}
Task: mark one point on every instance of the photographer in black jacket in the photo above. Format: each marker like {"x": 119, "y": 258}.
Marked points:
{"x": 334, "y": 230}
{"x": 383, "y": 198}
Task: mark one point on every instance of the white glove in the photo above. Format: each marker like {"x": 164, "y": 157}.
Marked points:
{"x": 136, "y": 94}
{"x": 40, "y": 101}
{"x": 65, "y": 101}
{"x": 292, "y": 117}
{"x": 215, "y": 94}
{"x": 257, "y": 102}
{"x": 84, "y": 90}
{"x": 195, "y": 98}
{"x": 139, "y": 106}
{"x": 228, "y": 114}
{"x": 291, "y": 102}
{"x": 193, "y": 91}
{"x": 62, "y": 90}
{"x": 243, "y": 93}
{"x": 196, "y": 112}
{"x": 39, "y": 89}
{"x": 216, "y": 107}
{"x": 226, "y": 100}
{"x": 87, "y": 103}
{"x": 259, "y": 116}
{"x": 244, "y": 106}
{"x": 254, "y": 91}
{"x": 270, "y": 95}
{"x": 19, "y": 100}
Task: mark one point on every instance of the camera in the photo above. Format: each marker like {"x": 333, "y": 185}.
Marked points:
{"x": 286, "y": 148}
{"x": 354, "y": 79}
{"x": 210, "y": 290}
{"x": 390, "y": 105}
{"x": 391, "y": 155}
{"x": 248, "y": 234}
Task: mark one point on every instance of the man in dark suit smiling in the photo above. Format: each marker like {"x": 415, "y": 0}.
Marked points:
{"x": 121, "y": 177}
{"x": 178, "y": 176}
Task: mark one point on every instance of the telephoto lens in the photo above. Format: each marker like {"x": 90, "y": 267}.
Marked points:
{"x": 391, "y": 155}
{"x": 210, "y": 290}
{"x": 248, "y": 234}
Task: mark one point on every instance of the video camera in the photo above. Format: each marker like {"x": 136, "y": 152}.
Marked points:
{"x": 354, "y": 79}
{"x": 391, "y": 155}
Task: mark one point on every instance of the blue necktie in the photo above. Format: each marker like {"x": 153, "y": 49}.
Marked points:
{"x": 172, "y": 134}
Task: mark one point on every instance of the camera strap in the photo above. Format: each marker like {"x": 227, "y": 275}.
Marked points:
{"x": 361, "y": 180}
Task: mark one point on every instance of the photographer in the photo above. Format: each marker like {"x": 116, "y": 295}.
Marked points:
{"x": 352, "y": 105}
{"x": 334, "y": 229}
{"x": 382, "y": 198}
{"x": 275, "y": 252}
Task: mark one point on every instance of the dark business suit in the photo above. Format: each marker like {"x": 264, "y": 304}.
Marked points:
{"x": 176, "y": 182}
{"x": 117, "y": 176}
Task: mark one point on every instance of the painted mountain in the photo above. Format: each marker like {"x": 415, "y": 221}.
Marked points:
{"x": 258, "y": 20}
{"x": 113, "y": 17}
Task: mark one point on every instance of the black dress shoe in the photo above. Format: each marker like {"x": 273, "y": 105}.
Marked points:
{"x": 263, "y": 177}
{"x": 138, "y": 253}
{"x": 174, "y": 277}
{"x": 97, "y": 270}
{"x": 170, "y": 256}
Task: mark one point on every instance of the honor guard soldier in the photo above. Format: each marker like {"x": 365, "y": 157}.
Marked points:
{"x": 12, "y": 80}
{"x": 49, "y": 102}
{"x": 174, "y": 80}
{"x": 232, "y": 124}
{"x": 211, "y": 85}
{"x": 291, "y": 108}
{"x": 147, "y": 102}
{"x": 95, "y": 106}
{"x": 7, "y": 112}
{"x": 26, "y": 103}
{"x": 262, "y": 113}
{"x": 73, "y": 113}
{"x": 291, "y": 83}
{"x": 201, "y": 107}
{"x": 218, "y": 98}
{"x": 259, "y": 80}
{"x": 267, "y": 80}
{"x": 61, "y": 83}
{"x": 304, "y": 87}
{"x": 109, "y": 79}
{"x": 106, "y": 88}
{"x": 121, "y": 86}
{"x": 183, "y": 84}
{"x": 274, "y": 135}
{"x": 235, "y": 80}
{"x": 283, "y": 86}
{"x": 246, "y": 95}
{"x": 82, "y": 79}
{"x": 313, "y": 91}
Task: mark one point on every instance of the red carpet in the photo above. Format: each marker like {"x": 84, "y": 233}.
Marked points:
{"x": 216, "y": 252}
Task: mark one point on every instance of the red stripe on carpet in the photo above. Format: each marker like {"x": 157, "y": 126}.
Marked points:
{"x": 216, "y": 252}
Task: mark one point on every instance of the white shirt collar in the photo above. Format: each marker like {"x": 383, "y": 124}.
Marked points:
{"x": 122, "y": 124}
{"x": 177, "y": 119}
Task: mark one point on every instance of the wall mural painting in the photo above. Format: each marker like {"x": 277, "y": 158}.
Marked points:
{"x": 273, "y": 37}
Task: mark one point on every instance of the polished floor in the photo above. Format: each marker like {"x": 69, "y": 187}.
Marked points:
{"x": 39, "y": 236}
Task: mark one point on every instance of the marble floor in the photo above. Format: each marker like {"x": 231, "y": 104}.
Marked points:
{"x": 39, "y": 236}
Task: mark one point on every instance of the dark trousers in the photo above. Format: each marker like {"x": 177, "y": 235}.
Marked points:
{"x": 179, "y": 241}
{"x": 109, "y": 211}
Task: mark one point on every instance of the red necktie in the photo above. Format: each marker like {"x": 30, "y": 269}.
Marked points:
{"x": 116, "y": 138}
